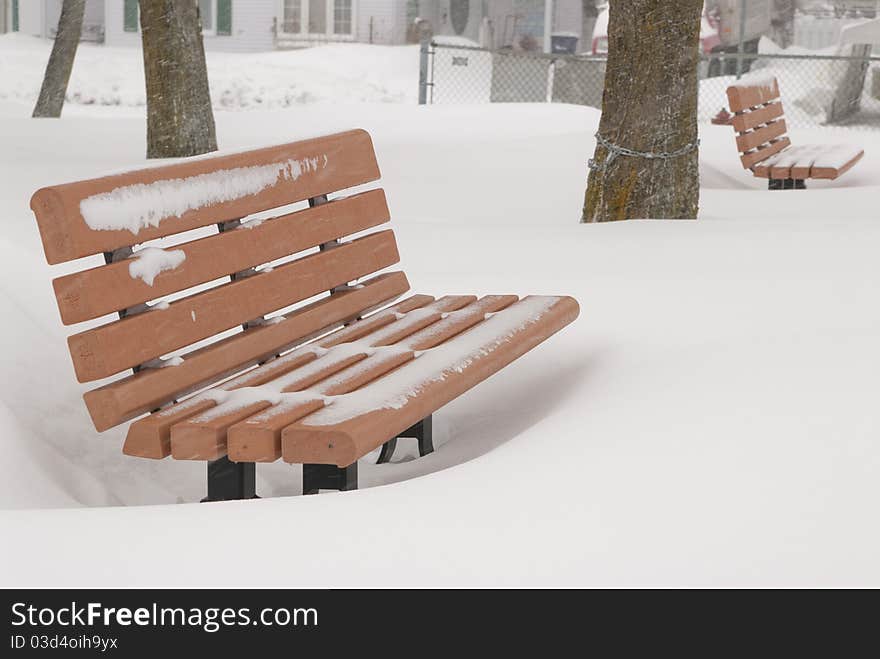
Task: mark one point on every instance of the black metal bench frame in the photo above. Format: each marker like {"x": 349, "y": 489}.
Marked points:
{"x": 230, "y": 481}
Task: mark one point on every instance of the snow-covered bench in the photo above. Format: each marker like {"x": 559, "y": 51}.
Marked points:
{"x": 321, "y": 384}
{"x": 765, "y": 148}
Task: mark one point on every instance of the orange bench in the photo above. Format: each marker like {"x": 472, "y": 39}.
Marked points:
{"x": 765, "y": 148}
{"x": 334, "y": 374}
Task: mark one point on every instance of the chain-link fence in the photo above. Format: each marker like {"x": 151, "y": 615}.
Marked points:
{"x": 832, "y": 86}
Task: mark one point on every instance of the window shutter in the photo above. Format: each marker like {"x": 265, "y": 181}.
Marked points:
{"x": 130, "y": 16}
{"x": 15, "y": 15}
{"x": 224, "y": 17}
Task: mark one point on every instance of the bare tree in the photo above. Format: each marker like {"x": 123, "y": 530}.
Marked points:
{"x": 57, "y": 75}
{"x": 180, "y": 121}
{"x": 645, "y": 162}
{"x": 589, "y": 14}
{"x": 783, "y": 22}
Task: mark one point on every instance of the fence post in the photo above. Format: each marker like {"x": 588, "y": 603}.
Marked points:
{"x": 742, "y": 38}
{"x": 424, "y": 53}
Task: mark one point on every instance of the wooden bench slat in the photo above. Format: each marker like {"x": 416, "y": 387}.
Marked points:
{"x": 150, "y": 388}
{"x": 805, "y": 161}
{"x": 136, "y": 339}
{"x": 218, "y": 189}
{"x": 203, "y": 436}
{"x": 783, "y": 160}
{"x": 99, "y": 291}
{"x": 459, "y": 321}
{"x": 751, "y": 159}
{"x": 749, "y": 120}
{"x": 749, "y": 94}
{"x": 844, "y": 163}
{"x": 150, "y": 436}
{"x": 756, "y": 138}
{"x": 258, "y": 438}
{"x": 321, "y": 439}
{"x": 793, "y": 162}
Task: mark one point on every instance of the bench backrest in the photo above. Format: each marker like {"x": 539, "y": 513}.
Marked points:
{"x": 219, "y": 280}
{"x": 758, "y": 120}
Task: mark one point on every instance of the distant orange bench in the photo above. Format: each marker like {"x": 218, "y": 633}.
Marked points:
{"x": 767, "y": 151}
{"x": 335, "y": 375}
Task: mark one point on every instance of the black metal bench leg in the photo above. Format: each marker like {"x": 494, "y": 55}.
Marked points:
{"x": 423, "y": 431}
{"x": 229, "y": 481}
{"x": 387, "y": 451}
{"x": 425, "y": 435}
{"x": 329, "y": 477}
{"x": 786, "y": 184}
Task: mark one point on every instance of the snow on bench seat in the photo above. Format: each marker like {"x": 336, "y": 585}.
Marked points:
{"x": 357, "y": 423}
{"x": 422, "y": 359}
{"x": 809, "y": 161}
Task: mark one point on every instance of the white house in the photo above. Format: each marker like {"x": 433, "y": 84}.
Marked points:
{"x": 232, "y": 25}
{"x": 261, "y": 25}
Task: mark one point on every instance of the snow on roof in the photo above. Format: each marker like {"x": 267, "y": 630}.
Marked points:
{"x": 451, "y": 40}
{"x": 867, "y": 32}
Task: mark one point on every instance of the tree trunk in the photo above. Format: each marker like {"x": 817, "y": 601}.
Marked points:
{"x": 180, "y": 121}
{"x": 60, "y": 64}
{"x": 589, "y": 14}
{"x": 649, "y": 106}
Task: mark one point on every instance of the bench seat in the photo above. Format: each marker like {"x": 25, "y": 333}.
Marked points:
{"x": 336, "y": 399}
{"x": 816, "y": 161}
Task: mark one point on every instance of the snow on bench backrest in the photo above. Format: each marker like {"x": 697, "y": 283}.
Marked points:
{"x": 752, "y": 92}
{"x": 103, "y": 214}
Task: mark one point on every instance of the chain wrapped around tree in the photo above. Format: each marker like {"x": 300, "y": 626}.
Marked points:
{"x": 645, "y": 163}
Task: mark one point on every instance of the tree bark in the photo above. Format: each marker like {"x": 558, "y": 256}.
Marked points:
{"x": 180, "y": 121}
{"x": 649, "y": 106}
{"x": 589, "y": 14}
{"x": 51, "y": 99}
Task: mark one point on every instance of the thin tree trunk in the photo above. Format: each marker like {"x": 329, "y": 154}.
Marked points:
{"x": 180, "y": 121}
{"x": 649, "y": 106}
{"x": 589, "y": 14}
{"x": 51, "y": 98}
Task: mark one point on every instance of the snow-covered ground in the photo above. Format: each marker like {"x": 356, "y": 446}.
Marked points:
{"x": 112, "y": 79}
{"x": 710, "y": 419}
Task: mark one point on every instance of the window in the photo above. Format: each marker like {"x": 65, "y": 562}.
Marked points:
{"x": 15, "y": 15}
{"x": 342, "y": 17}
{"x": 130, "y": 16}
{"x": 324, "y": 18}
{"x": 317, "y": 16}
{"x": 291, "y": 19}
{"x": 215, "y": 16}
{"x": 224, "y": 17}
